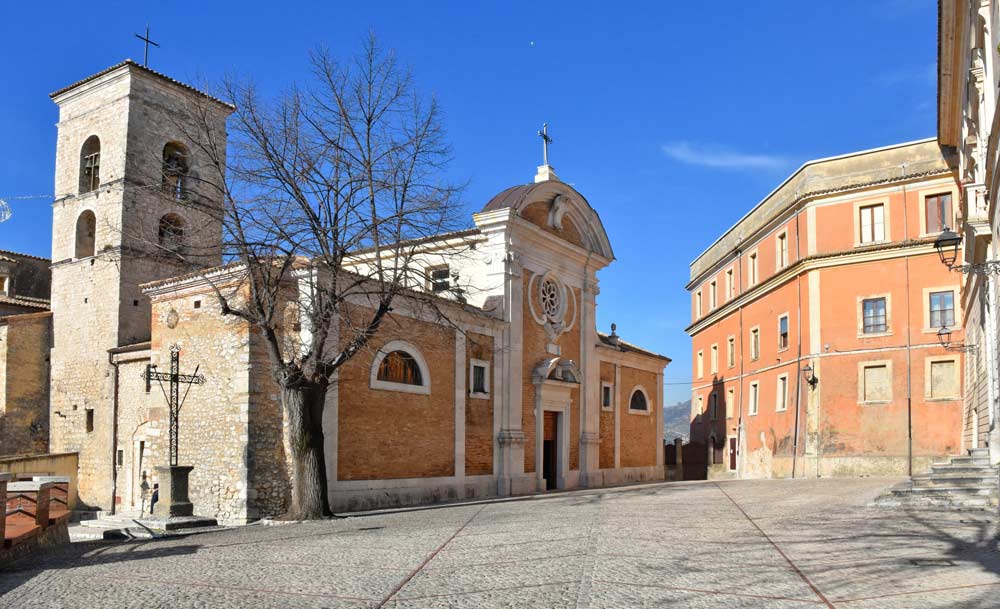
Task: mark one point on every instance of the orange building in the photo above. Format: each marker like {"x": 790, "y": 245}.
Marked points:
{"x": 815, "y": 323}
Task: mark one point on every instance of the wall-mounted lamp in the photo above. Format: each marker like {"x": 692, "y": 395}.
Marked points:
{"x": 944, "y": 338}
{"x": 947, "y": 244}
{"x": 810, "y": 376}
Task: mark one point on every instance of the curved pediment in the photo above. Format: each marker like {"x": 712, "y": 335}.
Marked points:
{"x": 558, "y": 209}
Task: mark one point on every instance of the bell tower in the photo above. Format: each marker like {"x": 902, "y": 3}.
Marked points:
{"x": 133, "y": 205}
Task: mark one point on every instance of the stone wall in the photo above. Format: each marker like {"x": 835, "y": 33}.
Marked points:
{"x": 24, "y": 383}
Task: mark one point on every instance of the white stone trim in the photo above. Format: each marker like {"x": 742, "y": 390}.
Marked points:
{"x": 400, "y": 345}
{"x": 645, "y": 394}
{"x": 754, "y": 400}
{"x": 485, "y": 365}
{"x": 930, "y": 191}
{"x": 886, "y": 215}
{"x": 779, "y": 404}
{"x": 955, "y": 303}
{"x": 888, "y": 315}
{"x": 931, "y": 359}
{"x": 788, "y": 322}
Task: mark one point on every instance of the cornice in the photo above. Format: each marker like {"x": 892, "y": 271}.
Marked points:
{"x": 913, "y": 247}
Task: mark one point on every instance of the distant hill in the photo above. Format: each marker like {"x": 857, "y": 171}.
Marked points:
{"x": 677, "y": 421}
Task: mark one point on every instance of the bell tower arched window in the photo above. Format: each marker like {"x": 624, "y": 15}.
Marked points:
{"x": 86, "y": 231}
{"x": 175, "y": 171}
{"x": 171, "y": 233}
{"x": 90, "y": 164}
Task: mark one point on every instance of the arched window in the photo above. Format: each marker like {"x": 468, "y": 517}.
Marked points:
{"x": 90, "y": 164}
{"x": 399, "y": 366}
{"x": 171, "y": 232}
{"x": 86, "y": 231}
{"x": 175, "y": 171}
{"x": 638, "y": 401}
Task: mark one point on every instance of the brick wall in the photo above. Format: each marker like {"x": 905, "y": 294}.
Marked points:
{"x": 479, "y": 412}
{"x": 638, "y": 434}
{"x": 607, "y": 457}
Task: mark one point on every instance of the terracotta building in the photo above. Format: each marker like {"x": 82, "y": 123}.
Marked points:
{"x": 515, "y": 392}
{"x": 815, "y": 323}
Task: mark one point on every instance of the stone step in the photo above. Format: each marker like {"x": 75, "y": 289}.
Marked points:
{"x": 979, "y": 452}
{"x": 948, "y": 468}
{"x": 944, "y": 491}
{"x": 964, "y": 480}
{"x": 980, "y": 461}
{"x": 972, "y": 502}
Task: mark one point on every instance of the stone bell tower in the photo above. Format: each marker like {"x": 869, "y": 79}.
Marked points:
{"x": 133, "y": 204}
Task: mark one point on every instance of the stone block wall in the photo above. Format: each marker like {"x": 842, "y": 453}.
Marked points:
{"x": 24, "y": 383}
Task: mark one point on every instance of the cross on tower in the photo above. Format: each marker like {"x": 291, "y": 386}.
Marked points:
{"x": 174, "y": 378}
{"x": 148, "y": 41}
{"x": 546, "y": 140}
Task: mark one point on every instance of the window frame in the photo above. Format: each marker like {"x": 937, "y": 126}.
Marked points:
{"x": 781, "y": 405}
{"x": 753, "y": 267}
{"x": 730, "y": 278}
{"x": 887, "y": 297}
{"x": 713, "y": 299}
{"x": 645, "y": 394}
{"x": 887, "y": 364}
{"x": 955, "y": 303}
{"x": 753, "y": 404}
{"x": 699, "y": 363}
{"x": 788, "y": 332}
{"x": 929, "y": 362}
{"x": 730, "y": 402}
{"x": 697, "y": 304}
{"x": 929, "y": 192}
{"x": 754, "y": 343}
{"x": 611, "y": 402}
{"x": 713, "y": 406}
{"x": 781, "y": 253}
{"x": 886, "y": 219}
{"x": 713, "y": 358}
{"x": 485, "y": 365}
{"x": 412, "y": 351}
{"x": 430, "y": 282}
{"x": 731, "y": 351}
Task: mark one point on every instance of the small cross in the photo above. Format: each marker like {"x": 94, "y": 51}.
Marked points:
{"x": 148, "y": 41}
{"x": 546, "y": 140}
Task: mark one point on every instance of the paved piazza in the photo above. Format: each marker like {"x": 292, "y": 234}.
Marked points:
{"x": 776, "y": 544}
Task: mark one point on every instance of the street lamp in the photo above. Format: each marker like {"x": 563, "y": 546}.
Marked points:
{"x": 947, "y": 246}
{"x": 809, "y": 375}
{"x": 944, "y": 336}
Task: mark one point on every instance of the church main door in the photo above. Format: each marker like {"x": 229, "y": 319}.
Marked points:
{"x": 550, "y": 449}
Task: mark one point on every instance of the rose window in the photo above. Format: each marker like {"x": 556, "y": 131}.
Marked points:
{"x": 551, "y": 299}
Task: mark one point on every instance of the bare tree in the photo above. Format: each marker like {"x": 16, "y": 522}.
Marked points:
{"x": 350, "y": 161}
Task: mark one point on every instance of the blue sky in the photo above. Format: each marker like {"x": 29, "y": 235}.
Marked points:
{"x": 672, "y": 118}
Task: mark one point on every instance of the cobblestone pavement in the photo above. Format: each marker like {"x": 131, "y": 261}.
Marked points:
{"x": 775, "y": 544}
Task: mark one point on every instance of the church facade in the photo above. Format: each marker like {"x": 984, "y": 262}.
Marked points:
{"x": 515, "y": 392}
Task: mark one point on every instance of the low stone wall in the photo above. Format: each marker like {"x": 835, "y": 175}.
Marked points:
{"x": 62, "y": 464}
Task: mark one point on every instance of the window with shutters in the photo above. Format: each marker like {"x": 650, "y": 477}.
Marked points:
{"x": 754, "y": 343}
{"x": 729, "y": 285}
{"x": 731, "y": 352}
{"x": 438, "y": 278}
{"x": 399, "y": 366}
{"x": 872, "y": 222}
{"x": 782, "y": 251}
{"x": 730, "y": 402}
{"x": 782, "y": 332}
{"x": 752, "y": 268}
{"x": 700, "y": 364}
{"x": 697, "y": 305}
{"x": 781, "y": 395}
{"x": 875, "y": 382}
{"x": 712, "y": 303}
{"x": 714, "y": 359}
{"x": 938, "y": 212}
{"x": 753, "y": 405}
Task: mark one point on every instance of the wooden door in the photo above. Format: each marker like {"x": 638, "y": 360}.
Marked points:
{"x": 732, "y": 453}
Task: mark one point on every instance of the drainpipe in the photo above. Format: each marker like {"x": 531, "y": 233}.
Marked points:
{"x": 114, "y": 433}
{"x": 798, "y": 340}
{"x": 909, "y": 395}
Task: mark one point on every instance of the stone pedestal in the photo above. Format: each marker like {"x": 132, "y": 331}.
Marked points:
{"x": 173, "y": 499}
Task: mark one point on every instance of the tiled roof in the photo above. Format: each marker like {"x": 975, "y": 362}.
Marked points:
{"x": 25, "y": 301}
{"x": 626, "y": 346}
{"x": 129, "y": 62}
{"x": 20, "y": 255}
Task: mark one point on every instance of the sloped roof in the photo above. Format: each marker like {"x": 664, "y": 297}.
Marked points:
{"x": 138, "y": 66}
{"x": 627, "y": 347}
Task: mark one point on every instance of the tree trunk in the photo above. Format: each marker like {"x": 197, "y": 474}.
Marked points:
{"x": 303, "y": 405}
